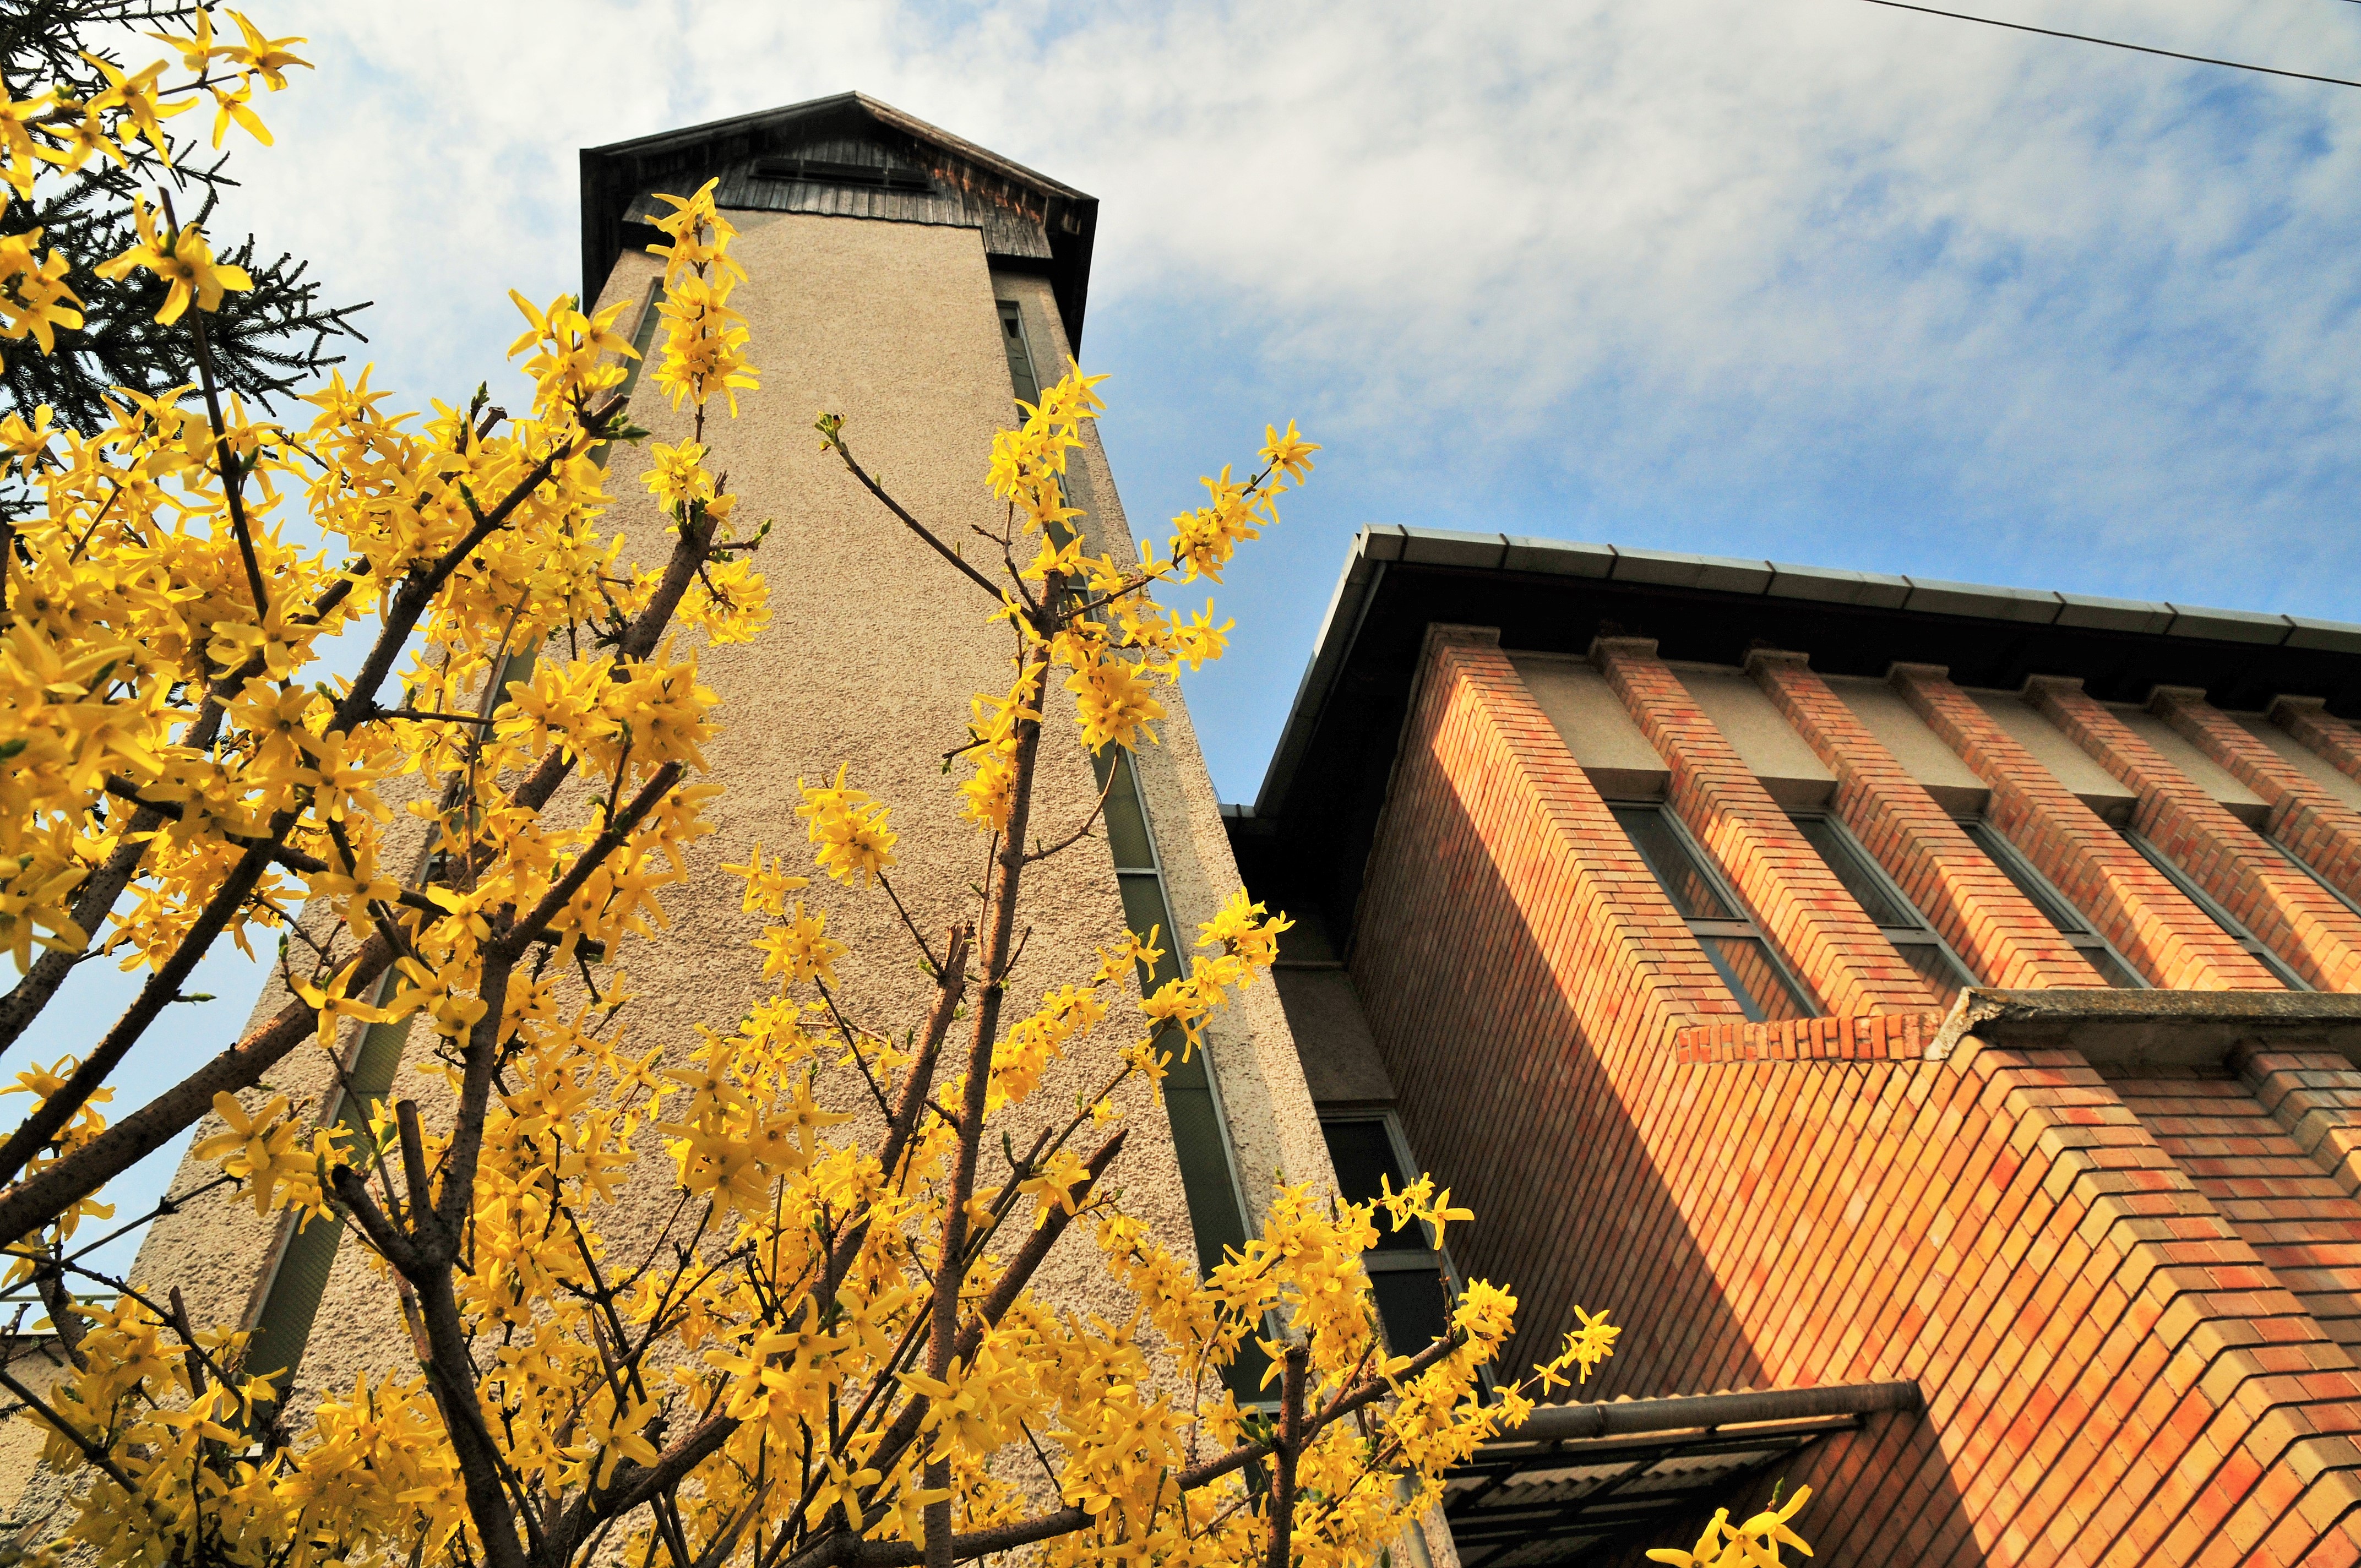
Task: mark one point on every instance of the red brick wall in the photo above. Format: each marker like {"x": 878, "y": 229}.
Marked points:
{"x": 2304, "y": 924}
{"x": 1806, "y": 913}
{"x": 1995, "y": 929}
{"x": 1504, "y": 916}
{"x": 2169, "y": 939}
{"x": 2112, "y": 1372}
{"x": 2308, "y": 820}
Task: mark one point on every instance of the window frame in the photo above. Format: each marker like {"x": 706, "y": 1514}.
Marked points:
{"x": 1014, "y": 341}
{"x": 1428, "y": 1259}
{"x": 2013, "y": 864}
{"x": 1922, "y": 934}
{"x": 2235, "y": 928}
{"x": 1808, "y": 1002}
{"x": 2306, "y": 867}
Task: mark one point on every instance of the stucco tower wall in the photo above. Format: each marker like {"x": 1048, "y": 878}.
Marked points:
{"x": 874, "y": 650}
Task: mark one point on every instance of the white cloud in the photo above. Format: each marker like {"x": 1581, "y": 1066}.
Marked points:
{"x": 1690, "y": 248}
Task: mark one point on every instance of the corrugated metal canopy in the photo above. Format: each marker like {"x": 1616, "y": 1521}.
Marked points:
{"x": 1578, "y": 1479}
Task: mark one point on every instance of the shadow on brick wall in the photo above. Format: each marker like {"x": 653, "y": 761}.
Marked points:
{"x": 1529, "y": 1103}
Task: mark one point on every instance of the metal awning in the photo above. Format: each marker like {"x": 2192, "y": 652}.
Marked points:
{"x": 1576, "y": 1478}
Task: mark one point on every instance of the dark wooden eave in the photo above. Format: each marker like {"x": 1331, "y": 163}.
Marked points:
{"x": 616, "y": 176}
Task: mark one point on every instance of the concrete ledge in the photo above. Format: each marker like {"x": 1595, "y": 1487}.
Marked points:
{"x": 2152, "y": 1028}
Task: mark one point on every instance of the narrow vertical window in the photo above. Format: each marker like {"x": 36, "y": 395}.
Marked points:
{"x": 1192, "y": 1097}
{"x": 2055, "y": 907}
{"x": 1216, "y": 1213}
{"x": 1411, "y": 1282}
{"x": 1764, "y": 989}
{"x": 2255, "y": 947}
{"x": 643, "y": 337}
{"x": 1020, "y": 356}
{"x": 1888, "y": 907}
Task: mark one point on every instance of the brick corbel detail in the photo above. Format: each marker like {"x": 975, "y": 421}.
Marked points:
{"x": 1816, "y": 923}
{"x": 2004, "y": 939}
{"x": 2308, "y": 719}
{"x": 2287, "y": 911}
{"x": 2319, "y": 828}
{"x": 2316, "y": 1096}
{"x": 2167, "y": 938}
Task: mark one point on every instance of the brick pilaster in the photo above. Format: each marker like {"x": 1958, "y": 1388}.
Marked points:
{"x": 1509, "y": 942}
{"x": 1817, "y": 926}
{"x": 1995, "y": 929}
{"x": 2314, "y": 824}
{"x": 2287, "y": 911}
{"x": 2308, "y": 719}
{"x": 2167, "y": 938}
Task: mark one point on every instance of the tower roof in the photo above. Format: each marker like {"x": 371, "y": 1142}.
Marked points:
{"x": 848, "y": 156}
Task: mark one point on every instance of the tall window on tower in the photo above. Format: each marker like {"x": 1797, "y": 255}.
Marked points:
{"x": 1764, "y": 989}
{"x": 1020, "y": 356}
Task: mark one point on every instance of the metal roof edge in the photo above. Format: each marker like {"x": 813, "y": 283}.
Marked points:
{"x": 1680, "y": 1412}
{"x": 1380, "y": 543}
{"x": 1364, "y": 564}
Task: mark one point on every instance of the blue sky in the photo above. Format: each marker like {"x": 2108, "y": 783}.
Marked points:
{"x": 1810, "y": 279}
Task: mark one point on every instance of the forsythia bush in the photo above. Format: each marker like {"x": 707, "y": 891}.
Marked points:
{"x": 829, "y": 1352}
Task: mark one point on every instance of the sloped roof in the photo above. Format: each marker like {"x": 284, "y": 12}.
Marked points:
{"x": 807, "y": 158}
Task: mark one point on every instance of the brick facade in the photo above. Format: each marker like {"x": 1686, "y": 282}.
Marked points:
{"x": 2168, "y": 939}
{"x": 1995, "y": 929}
{"x": 1807, "y": 914}
{"x": 1507, "y": 909}
{"x": 2308, "y": 820}
{"x": 2309, "y": 927}
{"x": 2308, "y": 719}
{"x": 2125, "y": 1301}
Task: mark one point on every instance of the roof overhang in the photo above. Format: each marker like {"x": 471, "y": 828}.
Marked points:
{"x": 1318, "y": 807}
{"x": 614, "y": 174}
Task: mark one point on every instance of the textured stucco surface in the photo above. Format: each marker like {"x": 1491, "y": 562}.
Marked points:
{"x": 1274, "y": 1129}
{"x": 874, "y": 650}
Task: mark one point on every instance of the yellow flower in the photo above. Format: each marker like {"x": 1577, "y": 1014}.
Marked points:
{"x": 184, "y": 260}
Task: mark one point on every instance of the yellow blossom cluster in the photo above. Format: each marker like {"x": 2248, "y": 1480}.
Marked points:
{"x": 765, "y": 1297}
{"x": 53, "y": 130}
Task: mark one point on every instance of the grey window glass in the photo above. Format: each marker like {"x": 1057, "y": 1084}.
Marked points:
{"x": 1888, "y": 908}
{"x": 1411, "y": 1283}
{"x": 2079, "y": 932}
{"x": 1748, "y": 969}
{"x": 1694, "y": 892}
{"x": 2231, "y": 924}
{"x": 1766, "y": 990}
{"x": 1126, "y": 823}
{"x": 2037, "y": 889}
{"x": 1363, "y": 1154}
{"x": 1216, "y": 1208}
{"x": 2299, "y": 864}
{"x": 1883, "y": 906}
{"x": 1021, "y": 373}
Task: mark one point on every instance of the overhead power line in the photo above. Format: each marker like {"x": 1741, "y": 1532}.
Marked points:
{"x": 2115, "y": 43}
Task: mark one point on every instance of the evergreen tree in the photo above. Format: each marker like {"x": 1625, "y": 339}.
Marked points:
{"x": 264, "y": 342}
